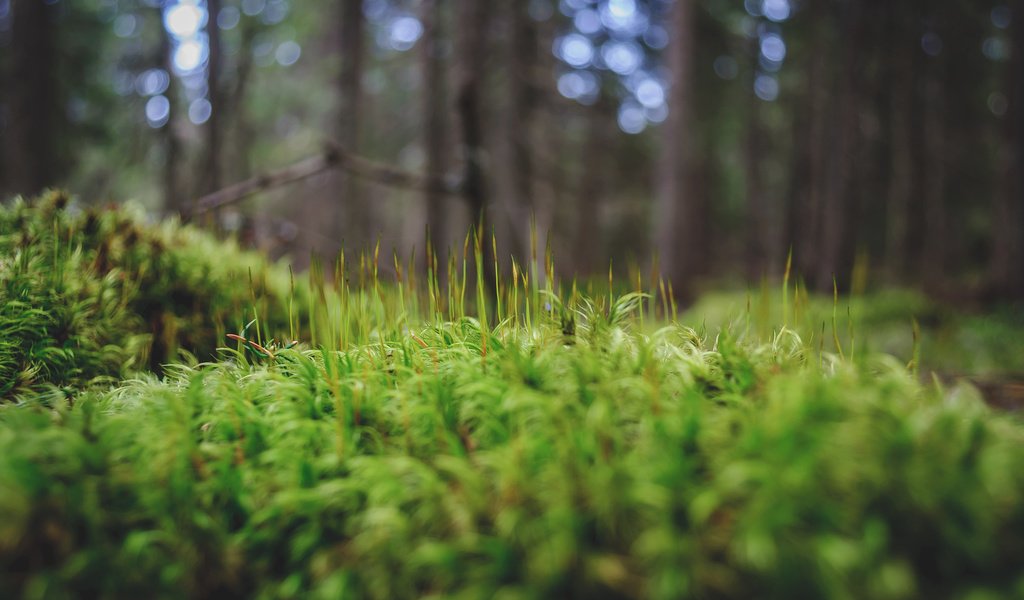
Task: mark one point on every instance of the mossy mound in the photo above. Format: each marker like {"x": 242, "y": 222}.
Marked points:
{"x": 101, "y": 293}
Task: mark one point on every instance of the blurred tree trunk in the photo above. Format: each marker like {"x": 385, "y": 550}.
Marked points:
{"x": 680, "y": 235}
{"x": 473, "y": 20}
{"x": 435, "y": 121}
{"x": 839, "y": 207}
{"x": 174, "y": 197}
{"x": 1007, "y": 259}
{"x": 244, "y": 130}
{"x": 213, "y": 131}
{"x": 34, "y": 116}
{"x": 904, "y": 46}
{"x": 809, "y": 167}
{"x": 933, "y": 263}
{"x": 355, "y": 217}
{"x": 758, "y": 213}
{"x": 1016, "y": 280}
{"x": 524, "y": 58}
{"x": 591, "y": 187}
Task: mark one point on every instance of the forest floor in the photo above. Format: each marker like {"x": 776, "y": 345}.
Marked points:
{"x": 429, "y": 437}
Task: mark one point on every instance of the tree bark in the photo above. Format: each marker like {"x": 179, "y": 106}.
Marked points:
{"x": 212, "y": 165}
{"x": 1007, "y": 259}
{"x": 434, "y": 118}
{"x": 34, "y": 114}
{"x": 521, "y": 117}
{"x": 174, "y": 197}
{"x": 591, "y": 186}
{"x": 473, "y": 19}
{"x": 355, "y": 217}
{"x": 839, "y": 207}
{"x": 758, "y": 214}
{"x": 679, "y": 235}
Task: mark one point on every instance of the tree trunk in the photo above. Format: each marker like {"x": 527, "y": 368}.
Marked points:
{"x": 758, "y": 213}
{"x": 839, "y": 210}
{"x": 521, "y": 117}
{"x": 473, "y": 20}
{"x": 434, "y": 119}
{"x": 34, "y": 116}
{"x": 213, "y": 178}
{"x": 356, "y": 217}
{"x": 1007, "y": 260}
{"x": 174, "y": 198}
{"x": 679, "y": 233}
{"x": 591, "y": 187}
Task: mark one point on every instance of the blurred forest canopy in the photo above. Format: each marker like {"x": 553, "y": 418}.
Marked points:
{"x": 870, "y": 136}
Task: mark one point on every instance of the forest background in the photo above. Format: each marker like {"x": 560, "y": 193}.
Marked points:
{"x": 876, "y": 140}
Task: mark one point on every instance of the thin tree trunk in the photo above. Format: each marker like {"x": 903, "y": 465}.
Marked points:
{"x": 901, "y": 148}
{"x": 758, "y": 214}
{"x": 33, "y": 121}
{"x": 1007, "y": 261}
{"x": 679, "y": 233}
{"x": 213, "y": 130}
{"x": 838, "y": 217}
{"x": 434, "y": 119}
{"x": 934, "y": 257}
{"x": 592, "y": 183}
{"x": 521, "y": 117}
{"x": 174, "y": 197}
{"x": 473, "y": 20}
{"x": 356, "y": 216}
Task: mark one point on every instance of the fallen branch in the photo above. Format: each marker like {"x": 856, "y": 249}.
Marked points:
{"x": 333, "y": 157}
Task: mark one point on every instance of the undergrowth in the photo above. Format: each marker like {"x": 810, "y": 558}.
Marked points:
{"x": 98, "y": 294}
{"x": 433, "y": 437}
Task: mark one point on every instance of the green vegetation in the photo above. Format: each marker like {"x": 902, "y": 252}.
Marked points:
{"x": 99, "y": 294}
{"x": 431, "y": 437}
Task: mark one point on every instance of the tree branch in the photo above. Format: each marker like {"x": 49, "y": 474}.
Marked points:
{"x": 333, "y": 156}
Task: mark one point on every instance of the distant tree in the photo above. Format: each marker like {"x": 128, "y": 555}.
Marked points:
{"x": 434, "y": 117}
{"x": 35, "y": 115}
{"x": 356, "y": 215}
{"x": 473, "y": 22}
{"x": 214, "y": 127}
{"x": 680, "y": 232}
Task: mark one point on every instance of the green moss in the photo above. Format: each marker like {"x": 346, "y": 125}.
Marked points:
{"x": 102, "y": 294}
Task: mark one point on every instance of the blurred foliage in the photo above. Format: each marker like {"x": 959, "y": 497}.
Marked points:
{"x": 101, "y": 293}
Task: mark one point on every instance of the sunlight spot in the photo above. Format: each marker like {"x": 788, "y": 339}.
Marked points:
{"x": 228, "y": 18}
{"x": 184, "y": 20}
{"x": 253, "y": 7}
{"x": 288, "y": 53}
{"x": 1001, "y": 16}
{"x": 404, "y": 33}
{"x": 650, "y": 94}
{"x": 587, "y": 21}
{"x": 773, "y": 47}
{"x": 125, "y": 26}
{"x": 658, "y": 114}
{"x": 766, "y": 88}
{"x": 776, "y": 10}
{"x": 152, "y": 82}
{"x": 576, "y": 50}
{"x": 578, "y": 85}
{"x": 621, "y": 57}
{"x": 631, "y": 118}
{"x": 656, "y": 37}
{"x": 158, "y": 110}
{"x": 199, "y": 111}
{"x": 188, "y": 56}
